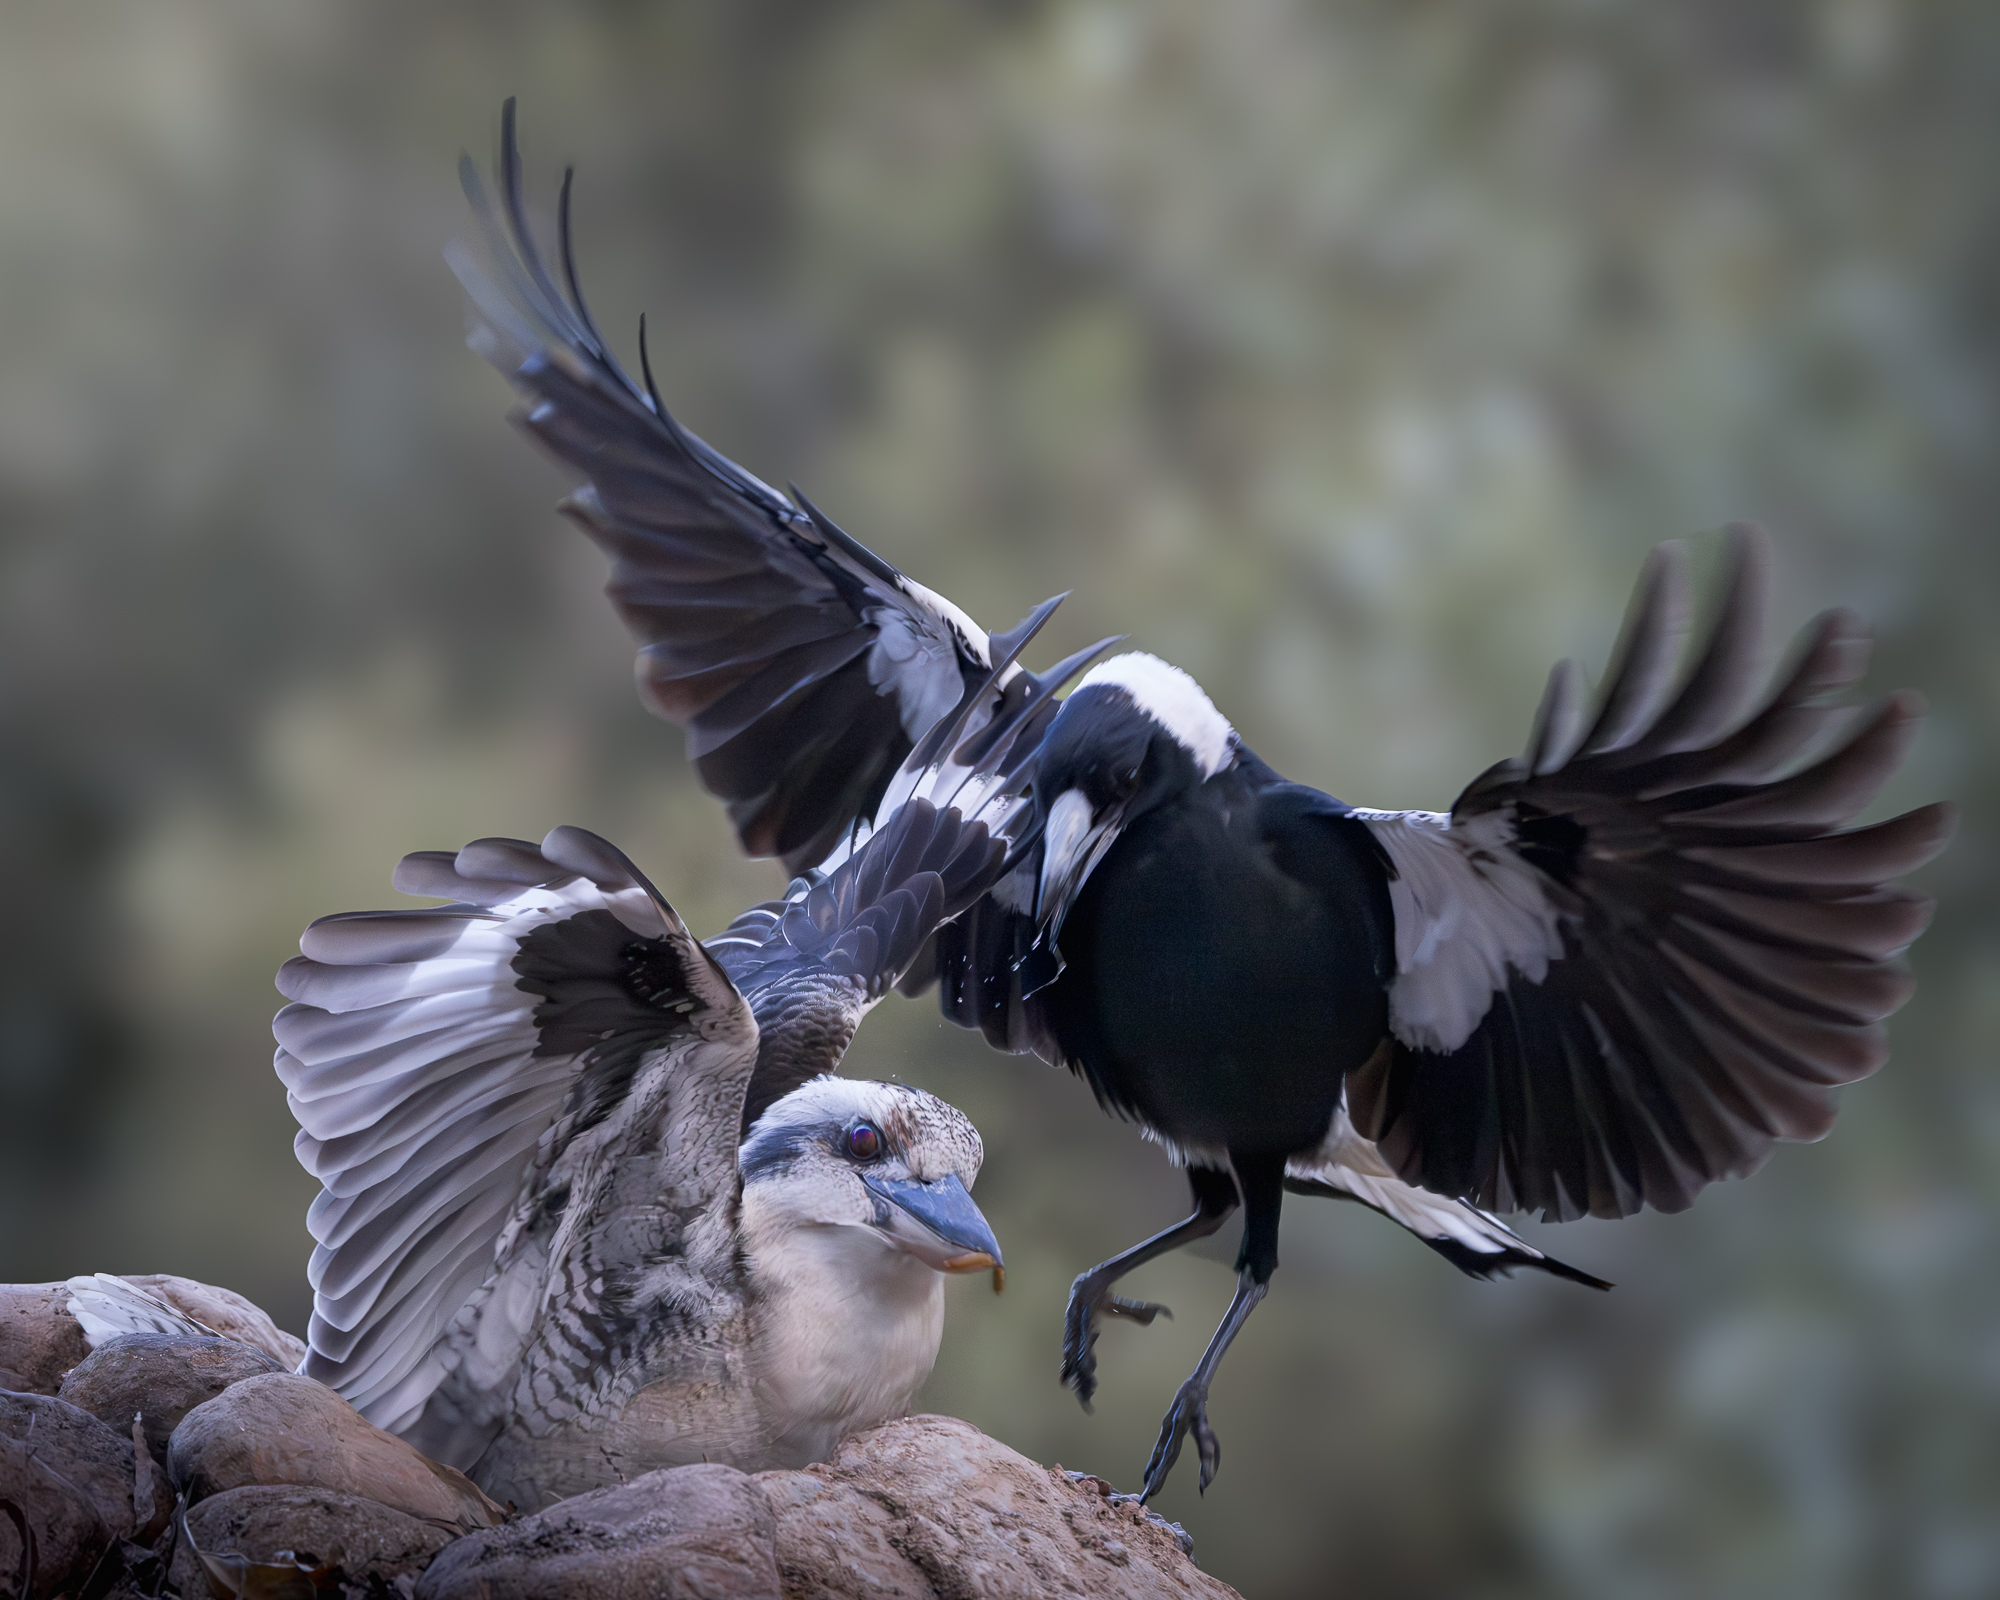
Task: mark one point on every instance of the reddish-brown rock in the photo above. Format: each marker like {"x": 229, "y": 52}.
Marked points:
{"x": 227, "y": 1312}
{"x": 39, "y": 1339}
{"x": 159, "y": 1377}
{"x": 684, "y": 1533}
{"x": 284, "y": 1429}
{"x": 923, "y": 1507}
{"x": 969, "y": 1517}
{"x": 70, "y": 1482}
{"x": 833, "y": 1540}
{"x": 241, "y": 1530}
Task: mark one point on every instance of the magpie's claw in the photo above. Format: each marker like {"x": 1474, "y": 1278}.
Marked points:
{"x": 1139, "y": 1311}
{"x": 1088, "y": 1302}
{"x": 1188, "y": 1414}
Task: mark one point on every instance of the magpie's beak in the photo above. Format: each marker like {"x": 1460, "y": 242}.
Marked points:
{"x": 936, "y": 1222}
{"x": 1074, "y": 840}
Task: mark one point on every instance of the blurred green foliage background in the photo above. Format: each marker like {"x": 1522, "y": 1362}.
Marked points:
{"x": 1349, "y": 355}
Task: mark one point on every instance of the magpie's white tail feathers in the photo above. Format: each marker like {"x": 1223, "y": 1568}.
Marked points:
{"x": 1348, "y": 1167}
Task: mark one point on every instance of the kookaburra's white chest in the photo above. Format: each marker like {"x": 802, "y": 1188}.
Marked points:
{"x": 845, "y": 1330}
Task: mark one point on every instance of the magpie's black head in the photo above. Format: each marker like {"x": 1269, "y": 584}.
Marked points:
{"x": 1136, "y": 733}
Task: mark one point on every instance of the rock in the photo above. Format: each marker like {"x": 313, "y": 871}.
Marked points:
{"x": 227, "y": 1312}
{"x": 968, "y": 1516}
{"x": 39, "y": 1339}
{"x": 161, "y": 1377}
{"x": 684, "y": 1533}
{"x": 361, "y": 1541}
{"x": 833, "y": 1540}
{"x": 919, "y": 1508}
{"x": 285, "y": 1429}
{"x": 67, "y": 1482}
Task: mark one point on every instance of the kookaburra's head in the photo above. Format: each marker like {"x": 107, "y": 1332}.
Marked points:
{"x": 877, "y": 1169}
{"x": 855, "y": 1205}
{"x": 1134, "y": 734}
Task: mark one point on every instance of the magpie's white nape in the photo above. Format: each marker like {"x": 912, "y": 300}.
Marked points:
{"x": 1618, "y": 969}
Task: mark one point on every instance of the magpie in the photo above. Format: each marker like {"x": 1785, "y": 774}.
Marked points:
{"x": 591, "y": 1203}
{"x": 1620, "y": 967}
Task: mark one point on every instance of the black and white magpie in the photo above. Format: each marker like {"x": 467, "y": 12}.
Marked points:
{"x": 1619, "y": 968}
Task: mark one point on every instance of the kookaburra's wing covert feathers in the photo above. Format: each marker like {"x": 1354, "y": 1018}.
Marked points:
{"x": 483, "y": 1086}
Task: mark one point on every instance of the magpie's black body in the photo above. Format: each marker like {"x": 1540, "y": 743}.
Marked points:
{"x": 1621, "y": 967}
{"x": 1227, "y": 963}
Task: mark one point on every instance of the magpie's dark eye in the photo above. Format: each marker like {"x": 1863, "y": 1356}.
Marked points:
{"x": 863, "y": 1142}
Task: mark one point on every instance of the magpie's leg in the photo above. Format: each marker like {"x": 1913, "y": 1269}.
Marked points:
{"x": 1262, "y": 1178}
{"x": 1090, "y": 1297}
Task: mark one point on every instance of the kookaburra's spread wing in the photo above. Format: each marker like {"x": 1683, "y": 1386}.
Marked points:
{"x": 803, "y": 666}
{"x": 1632, "y": 959}
{"x": 525, "y": 1106}
{"x": 467, "y": 1079}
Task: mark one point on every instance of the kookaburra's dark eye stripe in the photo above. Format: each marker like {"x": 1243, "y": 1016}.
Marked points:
{"x": 771, "y": 1151}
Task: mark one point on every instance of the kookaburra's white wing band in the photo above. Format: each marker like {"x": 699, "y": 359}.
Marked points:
{"x": 445, "y": 1065}
{"x": 525, "y": 1108}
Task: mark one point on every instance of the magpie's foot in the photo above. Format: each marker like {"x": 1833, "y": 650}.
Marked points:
{"x": 1188, "y": 1414}
{"x": 1087, "y": 1302}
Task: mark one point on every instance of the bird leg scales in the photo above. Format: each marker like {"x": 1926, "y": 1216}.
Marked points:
{"x": 1189, "y": 1412}
{"x": 1262, "y": 1178}
{"x": 1090, "y": 1296}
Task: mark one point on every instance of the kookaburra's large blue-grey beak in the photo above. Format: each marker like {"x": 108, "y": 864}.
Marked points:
{"x": 935, "y": 1222}
{"x": 1074, "y": 840}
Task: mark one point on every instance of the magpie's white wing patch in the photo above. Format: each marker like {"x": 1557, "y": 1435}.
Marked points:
{"x": 438, "y": 1060}
{"x": 1470, "y": 913}
{"x": 1632, "y": 959}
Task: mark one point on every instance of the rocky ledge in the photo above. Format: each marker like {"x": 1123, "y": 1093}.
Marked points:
{"x": 164, "y": 1465}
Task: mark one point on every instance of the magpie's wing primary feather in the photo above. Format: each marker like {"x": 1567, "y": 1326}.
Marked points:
{"x": 1632, "y": 959}
{"x": 803, "y": 666}
{"x": 949, "y": 830}
{"x": 450, "y": 1067}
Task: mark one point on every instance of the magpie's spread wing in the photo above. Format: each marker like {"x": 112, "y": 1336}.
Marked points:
{"x": 803, "y": 666}
{"x": 463, "y": 1075}
{"x": 947, "y": 833}
{"x": 1632, "y": 959}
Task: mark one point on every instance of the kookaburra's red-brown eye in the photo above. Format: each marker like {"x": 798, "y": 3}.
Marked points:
{"x": 863, "y": 1142}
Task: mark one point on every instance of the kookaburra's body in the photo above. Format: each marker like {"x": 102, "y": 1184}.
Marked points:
{"x": 826, "y": 1321}
{"x": 590, "y": 1205}
{"x": 1619, "y": 968}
